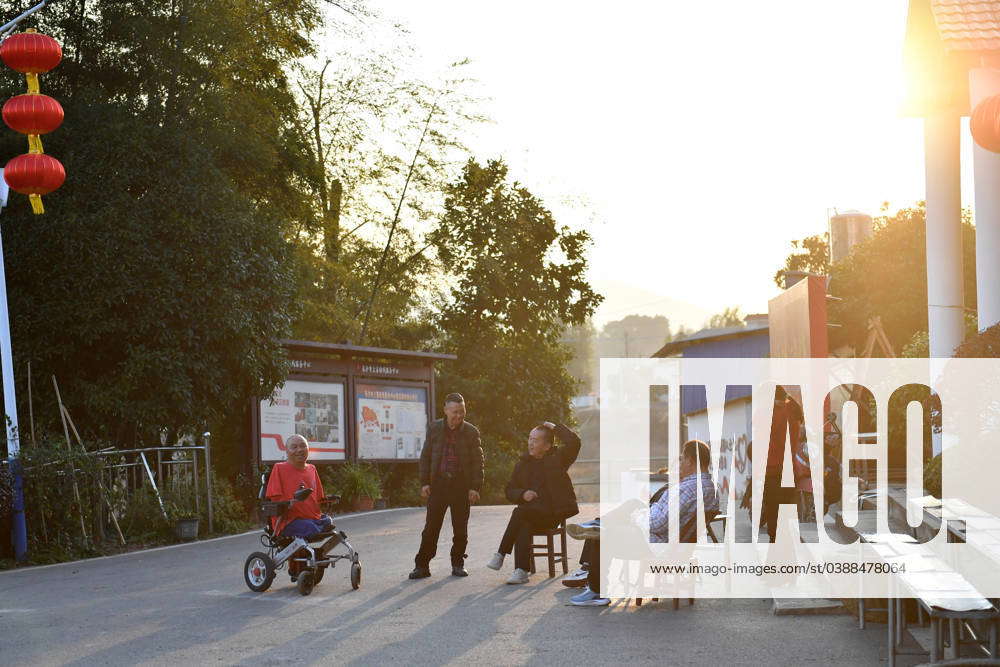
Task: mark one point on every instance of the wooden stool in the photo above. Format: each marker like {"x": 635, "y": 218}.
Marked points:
{"x": 547, "y": 549}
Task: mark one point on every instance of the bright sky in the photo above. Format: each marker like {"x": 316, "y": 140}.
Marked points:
{"x": 703, "y": 136}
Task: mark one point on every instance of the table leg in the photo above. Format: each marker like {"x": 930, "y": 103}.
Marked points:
{"x": 936, "y": 642}
{"x": 890, "y": 622}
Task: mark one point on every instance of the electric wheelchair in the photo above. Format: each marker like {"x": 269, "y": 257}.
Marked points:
{"x": 309, "y": 556}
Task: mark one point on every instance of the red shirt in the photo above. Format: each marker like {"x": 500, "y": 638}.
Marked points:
{"x": 449, "y": 461}
{"x": 284, "y": 481}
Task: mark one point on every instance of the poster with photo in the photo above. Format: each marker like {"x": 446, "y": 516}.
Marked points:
{"x": 313, "y": 410}
{"x": 392, "y": 421}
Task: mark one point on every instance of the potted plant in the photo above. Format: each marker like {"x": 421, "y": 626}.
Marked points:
{"x": 360, "y": 483}
{"x": 185, "y": 521}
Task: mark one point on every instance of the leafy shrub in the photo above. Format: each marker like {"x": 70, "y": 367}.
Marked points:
{"x": 499, "y": 461}
{"x": 408, "y": 493}
{"x": 356, "y": 480}
{"x": 229, "y": 512}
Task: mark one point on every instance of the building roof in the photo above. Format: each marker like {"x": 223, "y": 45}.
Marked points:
{"x": 968, "y": 25}
{"x": 937, "y": 72}
{"x": 712, "y": 335}
{"x": 362, "y": 351}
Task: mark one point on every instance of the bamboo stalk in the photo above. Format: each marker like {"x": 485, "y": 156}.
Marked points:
{"x": 76, "y": 488}
{"x": 100, "y": 482}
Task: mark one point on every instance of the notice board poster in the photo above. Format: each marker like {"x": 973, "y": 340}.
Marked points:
{"x": 392, "y": 421}
{"x": 314, "y": 410}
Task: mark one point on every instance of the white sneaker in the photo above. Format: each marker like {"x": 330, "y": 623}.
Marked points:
{"x": 496, "y": 561}
{"x": 518, "y": 577}
{"x": 576, "y": 579}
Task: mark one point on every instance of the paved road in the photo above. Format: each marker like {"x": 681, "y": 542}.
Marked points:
{"x": 189, "y": 605}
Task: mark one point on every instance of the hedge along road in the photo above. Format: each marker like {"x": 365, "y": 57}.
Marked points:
{"x": 189, "y": 605}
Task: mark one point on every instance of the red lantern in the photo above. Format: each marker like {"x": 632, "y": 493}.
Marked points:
{"x": 34, "y": 174}
{"x": 30, "y": 53}
{"x": 985, "y": 123}
{"x": 32, "y": 114}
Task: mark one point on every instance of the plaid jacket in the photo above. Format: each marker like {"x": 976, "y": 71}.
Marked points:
{"x": 687, "y": 494}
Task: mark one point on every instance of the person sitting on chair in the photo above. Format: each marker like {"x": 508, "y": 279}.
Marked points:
{"x": 303, "y": 517}
{"x": 543, "y": 491}
{"x": 696, "y": 459}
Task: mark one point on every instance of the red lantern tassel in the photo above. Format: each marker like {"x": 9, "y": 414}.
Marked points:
{"x": 36, "y": 204}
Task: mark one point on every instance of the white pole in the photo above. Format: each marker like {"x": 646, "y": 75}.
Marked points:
{"x": 6, "y": 357}
{"x": 7, "y": 366}
{"x": 985, "y": 82}
{"x": 19, "y": 529}
{"x": 943, "y": 193}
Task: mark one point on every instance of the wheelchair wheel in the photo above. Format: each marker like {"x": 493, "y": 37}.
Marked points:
{"x": 258, "y": 571}
{"x": 318, "y": 575}
{"x": 355, "y": 575}
{"x": 305, "y": 582}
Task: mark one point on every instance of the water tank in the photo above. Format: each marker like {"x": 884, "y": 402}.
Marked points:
{"x": 846, "y": 230}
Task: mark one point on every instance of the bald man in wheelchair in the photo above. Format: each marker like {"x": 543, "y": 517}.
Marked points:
{"x": 303, "y": 517}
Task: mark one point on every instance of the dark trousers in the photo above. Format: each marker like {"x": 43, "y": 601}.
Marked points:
{"x": 525, "y": 520}
{"x": 587, "y": 553}
{"x": 774, "y": 496}
{"x": 445, "y": 494}
{"x": 592, "y": 550}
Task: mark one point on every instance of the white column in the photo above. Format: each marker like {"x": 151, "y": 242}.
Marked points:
{"x": 945, "y": 289}
{"x": 985, "y": 82}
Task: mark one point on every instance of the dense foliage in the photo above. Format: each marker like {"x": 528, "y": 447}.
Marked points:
{"x": 519, "y": 277}
{"x": 885, "y": 276}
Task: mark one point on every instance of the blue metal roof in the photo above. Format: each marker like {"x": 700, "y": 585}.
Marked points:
{"x": 753, "y": 345}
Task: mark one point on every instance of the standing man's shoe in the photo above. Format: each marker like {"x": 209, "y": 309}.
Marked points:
{"x": 496, "y": 561}
{"x": 518, "y": 577}
{"x": 459, "y": 571}
{"x": 420, "y": 573}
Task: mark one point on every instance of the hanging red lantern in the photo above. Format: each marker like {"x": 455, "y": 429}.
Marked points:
{"x": 985, "y": 123}
{"x": 30, "y": 53}
{"x": 33, "y": 174}
{"x": 33, "y": 114}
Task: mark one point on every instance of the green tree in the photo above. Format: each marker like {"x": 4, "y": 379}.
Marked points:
{"x": 517, "y": 279}
{"x": 158, "y": 283}
{"x": 634, "y": 336}
{"x": 886, "y": 276}
{"x": 381, "y": 147}
{"x": 729, "y": 317}
{"x": 581, "y": 339}
{"x": 810, "y": 254}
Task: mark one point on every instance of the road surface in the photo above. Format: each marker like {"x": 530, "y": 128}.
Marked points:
{"x": 189, "y": 605}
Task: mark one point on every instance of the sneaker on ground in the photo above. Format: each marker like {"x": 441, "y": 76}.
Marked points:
{"x": 576, "y": 579}
{"x": 595, "y": 601}
{"x": 580, "y": 532}
{"x": 587, "y": 594}
{"x": 496, "y": 561}
{"x": 591, "y": 523}
{"x": 420, "y": 573}
{"x": 519, "y": 576}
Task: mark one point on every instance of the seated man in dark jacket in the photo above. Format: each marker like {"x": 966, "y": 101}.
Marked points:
{"x": 544, "y": 494}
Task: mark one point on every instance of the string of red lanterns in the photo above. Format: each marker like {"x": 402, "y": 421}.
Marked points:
{"x": 33, "y": 174}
